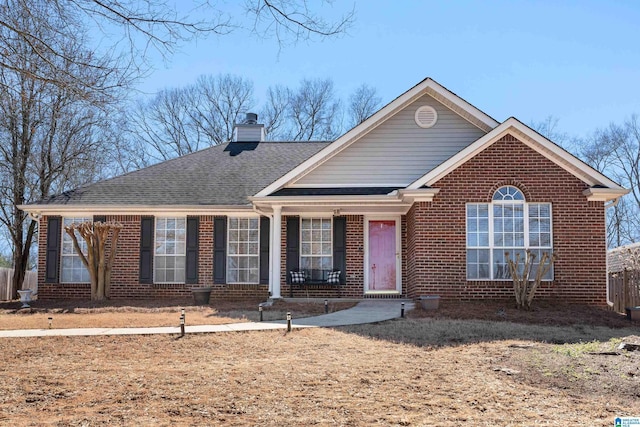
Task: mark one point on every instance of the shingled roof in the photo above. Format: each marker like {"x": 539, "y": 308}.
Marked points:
{"x": 223, "y": 175}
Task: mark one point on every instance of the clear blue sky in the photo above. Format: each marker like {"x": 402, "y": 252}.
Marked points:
{"x": 578, "y": 61}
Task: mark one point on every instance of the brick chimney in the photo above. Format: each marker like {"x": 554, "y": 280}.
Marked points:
{"x": 249, "y": 130}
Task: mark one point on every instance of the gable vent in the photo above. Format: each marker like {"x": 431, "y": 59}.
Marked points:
{"x": 426, "y": 116}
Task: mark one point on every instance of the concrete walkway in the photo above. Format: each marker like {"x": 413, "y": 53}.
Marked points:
{"x": 368, "y": 311}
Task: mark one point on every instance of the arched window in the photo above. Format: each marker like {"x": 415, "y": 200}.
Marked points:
{"x": 507, "y": 224}
{"x": 508, "y": 193}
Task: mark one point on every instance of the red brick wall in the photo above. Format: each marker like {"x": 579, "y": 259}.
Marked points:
{"x": 433, "y": 240}
{"x": 124, "y": 281}
{"x": 436, "y": 234}
{"x": 355, "y": 261}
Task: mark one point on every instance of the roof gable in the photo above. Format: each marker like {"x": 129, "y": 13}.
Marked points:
{"x": 426, "y": 87}
{"x": 396, "y": 152}
{"x": 540, "y": 144}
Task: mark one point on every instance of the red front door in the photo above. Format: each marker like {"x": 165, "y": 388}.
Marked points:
{"x": 382, "y": 255}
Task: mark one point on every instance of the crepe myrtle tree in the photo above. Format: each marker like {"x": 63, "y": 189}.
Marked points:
{"x": 524, "y": 285}
{"x": 102, "y": 243}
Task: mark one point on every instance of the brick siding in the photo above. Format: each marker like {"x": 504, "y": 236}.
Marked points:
{"x": 436, "y": 230}
{"x": 433, "y": 240}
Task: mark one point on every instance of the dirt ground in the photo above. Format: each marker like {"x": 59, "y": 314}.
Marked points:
{"x": 464, "y": 364}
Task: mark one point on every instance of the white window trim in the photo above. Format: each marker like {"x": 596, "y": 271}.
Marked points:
{"x": 491, "y": 248}
{"x": 241, "y": 255}
{"x": 300, "y": 256}
{"x": 74, "y": 254}
{"x": 155, "y": 240}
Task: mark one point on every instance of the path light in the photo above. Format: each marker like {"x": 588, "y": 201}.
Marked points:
{"x": 402, "y": 310}
{"x": 182, "y": 323}
{"x": 50, "y": 321}
{"x": 260, "y": 310}
{"x": 326, "y": 306}
{"x": 288, "y": 321}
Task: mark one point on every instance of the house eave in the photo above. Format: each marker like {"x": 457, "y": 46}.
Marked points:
{"x": 595, "y": 194}
{"x": 51, "y": 209}
{"x": 418, "y": 195}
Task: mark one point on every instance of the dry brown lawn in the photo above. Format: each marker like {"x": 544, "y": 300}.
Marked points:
{"x": 445, "y": 368}
{"x": 136, "y": 313}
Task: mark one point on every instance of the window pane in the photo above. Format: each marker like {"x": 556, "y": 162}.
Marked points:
{"x": 483, "y": 239}
{"x": 72, "y": 270}
{"x": 306, "y": 249}
{"x": 316, "y": 247}
{"x": 243, "y": 250}
{"x": 170, "y": 244}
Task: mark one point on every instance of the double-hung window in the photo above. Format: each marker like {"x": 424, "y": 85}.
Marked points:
{"x": 507, "y": 224}
{"x": 170, "y": 250}
{"x": 72, "y": 269}
{"x": 316, "y": 253}
{"x": 243, "y": 250}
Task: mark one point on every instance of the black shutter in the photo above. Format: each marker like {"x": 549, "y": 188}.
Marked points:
{"x": 220, "y": 249}
{"x": 193, "y": 226}
{"x": 146, "y": 250}
{"x": 99, "y": 218}
{"x": 340, "y": 247}
{"x": 264, "y": 250}
{"x": 53, "y": 248}
{"x": 293, "y": 245}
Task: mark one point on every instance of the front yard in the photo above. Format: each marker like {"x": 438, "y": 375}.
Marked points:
{"x": 488, "y": 366}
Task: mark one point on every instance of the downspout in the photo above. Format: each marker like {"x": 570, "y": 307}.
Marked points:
{"x": 612, "y": 204}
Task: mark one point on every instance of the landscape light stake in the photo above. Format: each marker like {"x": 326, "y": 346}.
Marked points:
{"x": 326, "y": 306}
{"x": 402, "y": 310}
{"x": 182, "y": 323}
{"x": 260, "y": 311}
{"x": 288, "y": 321}
{"x": 50, "y": 322}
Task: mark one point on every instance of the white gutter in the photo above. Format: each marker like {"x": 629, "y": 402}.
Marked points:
{"x": 35, "y": 211}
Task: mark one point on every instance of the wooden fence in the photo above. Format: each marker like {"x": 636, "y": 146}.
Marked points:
{"x": 6, "y": 275}
{"x": 624, "y": 289}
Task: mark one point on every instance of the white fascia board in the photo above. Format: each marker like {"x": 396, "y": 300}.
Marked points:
{"x": 604, "y": 194}
{"x": 418, "y": 195}
{"x": 360, "y": 185}
{"x": 371, "y": 123}
{"x": 464, "y": 105}
{"x": 532, "y": 139}
{"x": 324, "y": 200}
{"x": 135, "y": 209}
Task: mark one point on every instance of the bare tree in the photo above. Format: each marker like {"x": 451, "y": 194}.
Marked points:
{"x": 290, "y": 21}
{"x": 314, "y": 112}
{"x": 363, "y": 103}
{"x": 274, "y": 113}
{"x": 615, "y": 151}
{"x": 220, "y": 100}
{"x": 132, "y": 28}
{"x": 48, "y": 132}
{"x": 179, "y": 121}
{"x": 102, "y": 244}
{"x": 163, "y": 128}
{"x": 549, "y": 128}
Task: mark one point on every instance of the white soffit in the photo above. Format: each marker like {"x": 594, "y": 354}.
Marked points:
{"x": 427, "y": 86}
{"x": 532, "y": 139}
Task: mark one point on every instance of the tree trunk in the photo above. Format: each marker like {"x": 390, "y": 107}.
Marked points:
{"x": 97, "y": 262}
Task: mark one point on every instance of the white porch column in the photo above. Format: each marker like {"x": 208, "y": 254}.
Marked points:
{"x": 275, "y": 252}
